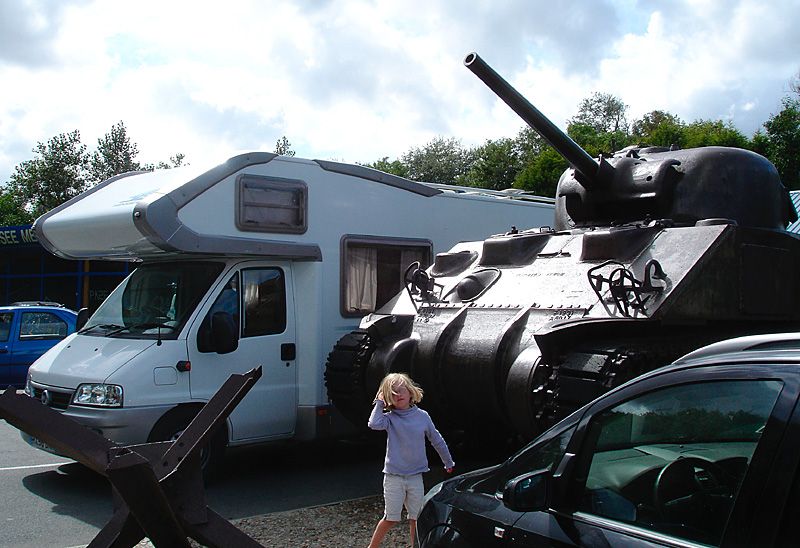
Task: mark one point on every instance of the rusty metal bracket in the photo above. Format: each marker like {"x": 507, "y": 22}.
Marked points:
{"x": 158, "y": 487}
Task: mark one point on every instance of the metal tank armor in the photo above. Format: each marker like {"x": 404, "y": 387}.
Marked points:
{"x": 654, "y": 252}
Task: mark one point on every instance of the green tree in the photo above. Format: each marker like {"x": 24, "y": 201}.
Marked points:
{"x": 529, "y": 144}
{"x": 11, "y": 210}
{"x": 115, "y": 154}
{"x": 442, "y": 160}
{"x": 496, "y": 165}
{"x": 605, "y": 113}
{"x": 177, "y": 160}
{"x": 395, "y": 167}
{"x": 542, "y": 173}
{"x": 781, "y": 144}
{"x": 701, "y": 133}
{"x": 284, "y": 147}
{"x": 659, "y": 128}
{"x": 56, "y": 173}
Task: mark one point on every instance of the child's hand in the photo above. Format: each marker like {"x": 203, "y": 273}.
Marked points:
{"x": 449, "y": 470}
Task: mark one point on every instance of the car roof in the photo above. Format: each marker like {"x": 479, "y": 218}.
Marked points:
{"x": 782, "y": 345}
{"x": 773, "y": 347}
{"x": 37, "y": 307}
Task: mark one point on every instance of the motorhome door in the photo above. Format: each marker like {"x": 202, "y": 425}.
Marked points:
{"x": 260, "y": 302}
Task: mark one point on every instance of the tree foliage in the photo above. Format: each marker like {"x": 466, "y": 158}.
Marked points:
{"x": 528, "y": 162}
{"x": 442, "y": 160}
{"x": 541, "y": 175}
{"x": 58, "y": 172}
{"x": 659, "y": 128}
{"x": 284, "y": 147}
{"x": 704, "y": 133}
{"x": 62, "y": 168}
{"x": 605, "y": 115}
{"x": 115, "y": 154}
{"x": 781, "y": 143}
{"x": 395, "y": 167}
{"x": 11, "y": 211}
{"x": 495, "y": 165}
{"x": 174, "y": 161}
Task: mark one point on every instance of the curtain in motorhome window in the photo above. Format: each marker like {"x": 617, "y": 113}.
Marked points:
{"x": 362, "y": 278}
{"x": 372, "y": 272}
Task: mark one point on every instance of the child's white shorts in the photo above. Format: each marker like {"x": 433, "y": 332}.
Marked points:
{"x": 399, "y": 491}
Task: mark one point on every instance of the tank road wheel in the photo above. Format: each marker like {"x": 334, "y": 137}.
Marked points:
{"x": 346, "y": 376}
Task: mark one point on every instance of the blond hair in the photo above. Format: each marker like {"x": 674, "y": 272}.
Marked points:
{"x": 398, "y": 379}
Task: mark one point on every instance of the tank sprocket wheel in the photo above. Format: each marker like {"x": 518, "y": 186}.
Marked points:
{"x": 346, "y": 376}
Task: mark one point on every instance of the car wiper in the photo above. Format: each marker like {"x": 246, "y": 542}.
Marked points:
{"x": 142, "y": 326}
{"x": 101, "y": 326}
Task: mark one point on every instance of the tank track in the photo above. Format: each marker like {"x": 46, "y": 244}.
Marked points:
{"x": 346, "y": 376}
{"x": 586, "y": 374}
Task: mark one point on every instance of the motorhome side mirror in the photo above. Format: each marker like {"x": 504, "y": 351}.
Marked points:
{"x": 83, "y": 317}
{"x": 224, "y": 337}
{"x": 527, "y": 493}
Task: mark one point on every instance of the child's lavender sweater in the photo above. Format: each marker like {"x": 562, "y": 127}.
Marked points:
{"x": 406, "y": 431}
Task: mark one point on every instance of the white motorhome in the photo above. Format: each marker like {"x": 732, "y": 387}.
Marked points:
{"x": 263, "y": 260}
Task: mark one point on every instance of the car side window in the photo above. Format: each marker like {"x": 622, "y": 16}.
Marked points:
{"x": 41, "y": 325}
{"x": 5, "y": 325}
{"x": 672, "y": 460}
{"x": 264, "y": 301}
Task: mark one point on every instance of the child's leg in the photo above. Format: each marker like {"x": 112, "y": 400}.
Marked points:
{"x": 380, "y": 531}
{"x": 393, "y": 497}
{"x": 415, "y": 491}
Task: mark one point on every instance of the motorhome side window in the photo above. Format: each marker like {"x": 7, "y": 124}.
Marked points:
{"x": 271, "y": 204}
{"x": 372, "y": 272}
{"x": 264, "y": 293}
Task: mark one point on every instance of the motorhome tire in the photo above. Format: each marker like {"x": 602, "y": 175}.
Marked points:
{"x": 346, "y": 376}
{"x": 174, "y": 422}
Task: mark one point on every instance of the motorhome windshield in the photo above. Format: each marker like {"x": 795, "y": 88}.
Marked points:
{"x": 154, "y": 301}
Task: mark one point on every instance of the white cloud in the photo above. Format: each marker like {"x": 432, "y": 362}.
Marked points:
{"x": 358, "y": 80}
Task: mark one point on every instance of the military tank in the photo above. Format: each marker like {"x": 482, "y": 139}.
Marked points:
{"x": 654, "y": 252}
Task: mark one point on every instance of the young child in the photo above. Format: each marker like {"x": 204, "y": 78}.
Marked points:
{"x": 406, "y": 427}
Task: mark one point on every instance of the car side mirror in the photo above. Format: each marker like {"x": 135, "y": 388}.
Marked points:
{"x": 224, "y": 336}
{"x": 83, "y": 317}
{"x": 528, "y": 492}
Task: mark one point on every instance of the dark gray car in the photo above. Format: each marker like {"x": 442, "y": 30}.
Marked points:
{"x": 701, "y": 452}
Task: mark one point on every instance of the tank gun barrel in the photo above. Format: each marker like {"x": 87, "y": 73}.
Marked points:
{"x": 592, "y": 172}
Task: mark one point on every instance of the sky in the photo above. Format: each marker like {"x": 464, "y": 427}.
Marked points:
{"x": 357, "y": 80}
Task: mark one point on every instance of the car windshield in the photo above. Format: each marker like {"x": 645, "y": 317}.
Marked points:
{"x": 154, "y": 301}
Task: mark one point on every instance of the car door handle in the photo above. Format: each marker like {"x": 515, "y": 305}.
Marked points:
{"x": 3, "y": 350}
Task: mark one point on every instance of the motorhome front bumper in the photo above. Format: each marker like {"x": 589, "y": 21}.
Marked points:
{"x": 124, "y": 425}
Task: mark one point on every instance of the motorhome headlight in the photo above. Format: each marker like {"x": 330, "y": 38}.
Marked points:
{"x": 105, "y": 395}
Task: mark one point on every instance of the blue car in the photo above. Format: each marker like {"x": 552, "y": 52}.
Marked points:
{"x": 28, "y": 330}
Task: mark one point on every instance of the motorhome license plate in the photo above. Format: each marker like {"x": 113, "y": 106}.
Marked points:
{"x": 35, "y": 442}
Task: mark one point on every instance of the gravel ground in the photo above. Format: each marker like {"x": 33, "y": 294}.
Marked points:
{"x": 344, "y": 524}
{"x": 341, "y": 525}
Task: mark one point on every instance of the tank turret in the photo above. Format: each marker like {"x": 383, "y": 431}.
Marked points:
{"x": 652, "y": 182}
{"x": 654, "y": 252}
